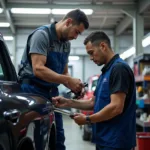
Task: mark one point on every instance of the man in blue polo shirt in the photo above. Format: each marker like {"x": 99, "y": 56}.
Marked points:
{"x": 44, "y": 62}
{"x": 114, "y": 100}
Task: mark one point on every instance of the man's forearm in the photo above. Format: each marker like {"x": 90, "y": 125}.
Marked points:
{"x": 66, "y": 74}
{"x": 81, "y": 104}
{"x": 108, "y": 112}
{"x": 49, "y": 75}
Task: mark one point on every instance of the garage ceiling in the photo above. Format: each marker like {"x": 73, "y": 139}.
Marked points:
{"x": 107, "y": 14}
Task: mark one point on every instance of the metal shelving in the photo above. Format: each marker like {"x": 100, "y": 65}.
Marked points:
{"x": 142, "y": 123}
{"x": 142, "y": 78}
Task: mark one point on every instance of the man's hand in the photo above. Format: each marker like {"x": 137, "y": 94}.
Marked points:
{"x": 75, "y": 85}
{"x": 80, "y": 119}
{"x": 60, "y": 101}
{"x": 80, "y": 94}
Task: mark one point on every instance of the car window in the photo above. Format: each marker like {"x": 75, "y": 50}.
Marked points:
{"x": 7, "y": 70}
{"x": 94, "y": 84}
{"x": 1, "y": 73}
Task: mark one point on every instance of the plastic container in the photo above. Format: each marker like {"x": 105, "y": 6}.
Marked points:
{"x": 143, "y": 140}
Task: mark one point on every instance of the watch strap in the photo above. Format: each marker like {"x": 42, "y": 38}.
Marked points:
{"x": 88, "y": 120}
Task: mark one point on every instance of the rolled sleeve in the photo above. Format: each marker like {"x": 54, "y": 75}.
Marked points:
{"x": 39, "y": 43}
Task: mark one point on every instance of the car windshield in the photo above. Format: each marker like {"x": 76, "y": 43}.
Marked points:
{"x": 1, "y": 73}
{"x": 94, "y": 84}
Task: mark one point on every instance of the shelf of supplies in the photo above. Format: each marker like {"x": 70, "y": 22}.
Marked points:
{"x": 142, "y": 123}
{"x": 145, "y": 101}
{"x": 142, "y": 57}
{"x": 142, "y": 78}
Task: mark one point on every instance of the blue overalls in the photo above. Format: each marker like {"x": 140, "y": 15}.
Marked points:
{"x": 118, "y": 133}
{"x": 56, "y": 61}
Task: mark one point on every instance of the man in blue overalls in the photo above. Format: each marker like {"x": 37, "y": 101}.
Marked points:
{"x": 114, "y": 100}
{"x": 45, "y": 59}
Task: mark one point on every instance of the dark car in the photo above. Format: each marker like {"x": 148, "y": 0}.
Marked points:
{"x": 26, "y": 120}
{"x": 92, "y": 83}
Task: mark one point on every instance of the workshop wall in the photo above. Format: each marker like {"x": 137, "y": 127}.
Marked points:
{"x": 77, "y": 68}
{"x": 90, "y": 68}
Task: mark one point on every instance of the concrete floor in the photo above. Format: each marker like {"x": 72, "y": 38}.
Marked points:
{"x": 73, "y": 135}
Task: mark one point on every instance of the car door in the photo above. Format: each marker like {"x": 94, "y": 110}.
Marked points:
{"x": 7, "y": 73}
{"x": 23, "y": 116}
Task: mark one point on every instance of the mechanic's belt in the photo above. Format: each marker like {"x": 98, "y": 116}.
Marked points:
{"x": 38, "y": 85}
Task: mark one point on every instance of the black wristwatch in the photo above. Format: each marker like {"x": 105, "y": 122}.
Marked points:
{"x": 88, "y": 120}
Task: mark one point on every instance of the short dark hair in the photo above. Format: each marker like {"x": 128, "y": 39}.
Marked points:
{"x": 97, "y": 37}
{"x": 78, "y": 17}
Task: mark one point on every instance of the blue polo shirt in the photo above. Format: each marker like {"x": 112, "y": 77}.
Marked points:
{"x": 120, "y": 131}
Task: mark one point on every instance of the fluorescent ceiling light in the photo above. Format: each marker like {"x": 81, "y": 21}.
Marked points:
{"x": 87, "y": 11}
{"x": 128, "y": 53}
{"x": 60, "y": 11}
{"x": 8, "y": 38}
{"x": 146, "y": 41}
{"x": 1, "y": 10}
{"x": 30, "y": 11}
{"x": 65, "y": 11}
{"x": 52, "y": 20}
{"x": 4, "y": 24}
{"x": 46, "y": 11}
{"x": 73, "y": 57}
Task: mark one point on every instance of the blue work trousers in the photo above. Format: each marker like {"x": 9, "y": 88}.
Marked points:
{"x": 60, "y": 132}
